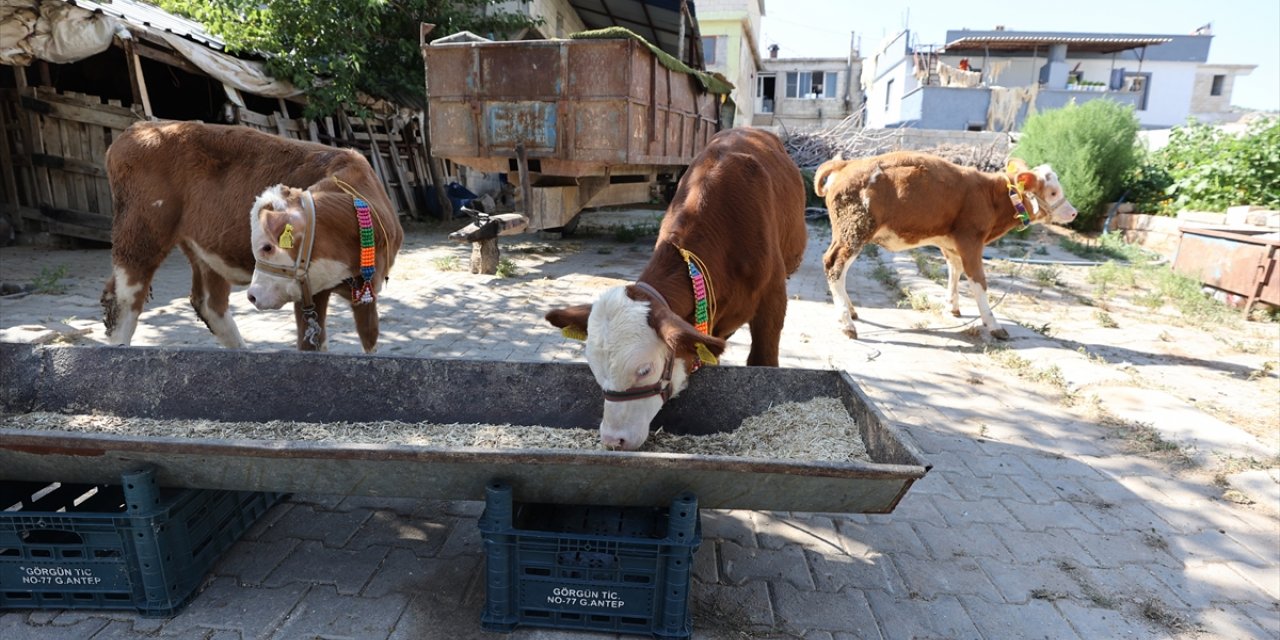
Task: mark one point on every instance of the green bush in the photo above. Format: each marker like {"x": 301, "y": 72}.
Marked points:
{"x": 1092, "y": 147}
{"x": 811, "y": 198}
{"x": 1206, "y": 168}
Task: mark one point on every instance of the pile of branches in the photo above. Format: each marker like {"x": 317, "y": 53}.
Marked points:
{"x": 848, "y": 140}
{"x": 990, "y": 158}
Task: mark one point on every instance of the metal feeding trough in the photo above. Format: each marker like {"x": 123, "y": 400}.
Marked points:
{"x": 309, "y": 387}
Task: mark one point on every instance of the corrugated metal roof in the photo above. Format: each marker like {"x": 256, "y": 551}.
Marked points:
{"x": 141, "y": 13}
{"x": 1094, "y": 44}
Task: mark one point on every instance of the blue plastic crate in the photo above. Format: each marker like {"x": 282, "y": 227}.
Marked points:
{"x": 128, "y": 546}
{"x": 598, "y": 568}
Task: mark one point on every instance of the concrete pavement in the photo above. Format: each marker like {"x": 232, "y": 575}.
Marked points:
{"x": 1035, "y": 521}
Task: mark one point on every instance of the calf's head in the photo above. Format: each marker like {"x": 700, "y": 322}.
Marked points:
{"x": 1047, "y": 197}
{"x": 283, "y": 235}
{"x": 640, "y": 354}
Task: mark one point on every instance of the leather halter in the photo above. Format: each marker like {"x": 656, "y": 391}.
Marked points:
{"x": 301, "y": 265}
{"x": 660, "y": 388}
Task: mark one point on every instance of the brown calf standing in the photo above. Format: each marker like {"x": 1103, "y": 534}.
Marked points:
{"x": 192, "y": 186}
{"x": 904, "y": 200}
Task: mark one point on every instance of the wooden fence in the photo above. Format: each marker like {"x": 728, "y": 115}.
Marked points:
{"x": 53, "y": 156}
{"x": 53, "y": 159}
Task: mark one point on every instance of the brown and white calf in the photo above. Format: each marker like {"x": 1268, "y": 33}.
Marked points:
{"x": 738, "y": 212}
{"x": 196, "y": 187}
{"x": 905, "y": 200}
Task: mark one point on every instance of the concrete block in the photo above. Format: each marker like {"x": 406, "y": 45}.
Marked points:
{"x": 1202, "y": 217}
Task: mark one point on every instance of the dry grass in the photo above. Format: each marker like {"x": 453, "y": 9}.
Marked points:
{"x": 820, "y": 429}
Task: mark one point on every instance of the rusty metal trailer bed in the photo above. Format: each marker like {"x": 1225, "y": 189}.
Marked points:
{"x": 231, "y": 385}
{"x": 598, "y": 119}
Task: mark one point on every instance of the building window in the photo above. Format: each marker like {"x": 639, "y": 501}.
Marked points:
{"x": 1139, "y": 83}
{"x": 1216, "y": 89}
{"x": 765, "y": 86}
{"x": 709, "y": 50}
{"x": 888, "y": 93}
{"x": 811, "y": 85}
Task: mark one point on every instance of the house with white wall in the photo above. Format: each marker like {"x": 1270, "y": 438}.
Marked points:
{"x": 807, "y": 93}
{"x": 991, "y": 80}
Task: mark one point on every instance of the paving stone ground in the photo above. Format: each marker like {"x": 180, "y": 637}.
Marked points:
{"x": 1034, "y": 522}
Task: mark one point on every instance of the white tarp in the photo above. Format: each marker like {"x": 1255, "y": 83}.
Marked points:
{"x": 51, "y": 30}
{"x": 244, "y": 75}
{"x": 57, "y": 32}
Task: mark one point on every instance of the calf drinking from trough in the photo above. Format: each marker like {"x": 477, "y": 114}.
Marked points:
{"x": 904, "y": 200}
{"x": 315, "y": 219}
{"x": 733, "y": 234}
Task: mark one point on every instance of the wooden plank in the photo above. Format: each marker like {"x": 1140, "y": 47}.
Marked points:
{"x": 95, "y": 103}
{"x": 70, "y": 165}
{"x": 12, "y": 199}
{"x": 51, "y": 144}
{"x": 77, "y": 191}
{"x": 405, "y": 189}
{"x": 101, "y": 184}
{"x": 254, "y": 119}
{"x": 138, "y": 81}
{"x": 46, "y": 106}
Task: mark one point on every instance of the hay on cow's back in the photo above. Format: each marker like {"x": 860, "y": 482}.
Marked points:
{"x": 819, "y": 429}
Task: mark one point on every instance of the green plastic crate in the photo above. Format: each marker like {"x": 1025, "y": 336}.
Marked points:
{"x": 128, "y": 546}
{"x": 597, "y": 568}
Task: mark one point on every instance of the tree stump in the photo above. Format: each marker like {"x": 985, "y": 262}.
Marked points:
{"x": 484, "y": 256}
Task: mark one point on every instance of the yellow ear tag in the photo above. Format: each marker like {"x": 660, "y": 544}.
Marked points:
{"x": 705, "y": 355}
{"x": 286, "y": 237}
{"x": 574, "y": 333}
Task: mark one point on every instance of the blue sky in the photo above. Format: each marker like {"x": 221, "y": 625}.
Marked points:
{"x": 1245, "y": 31}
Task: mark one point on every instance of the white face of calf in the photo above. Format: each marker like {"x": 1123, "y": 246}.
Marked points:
{"x": 625, "y": 352}
{"x": 1050, "y": 191}
{"x": 276, "y": 219}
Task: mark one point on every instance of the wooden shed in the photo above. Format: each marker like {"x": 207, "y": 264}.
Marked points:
{"x": 81, "y": 72}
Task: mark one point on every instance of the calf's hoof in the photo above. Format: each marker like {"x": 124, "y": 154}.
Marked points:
{"x": 955, "y": 312}
{"x": 851, "y": 333}
{"x": 1000, "y": 334}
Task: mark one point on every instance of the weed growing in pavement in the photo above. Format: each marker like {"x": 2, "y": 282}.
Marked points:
{"x": 871, "y": 251}
{"x": 917, "y": 301}
{"x": 1110, "y": 276}
{"x": 1109, "y": 246}
{"x": 1043, "y": 329}
{"x": 1267, "y": 370}
{"x": 1105, "y": 320}
{"x": 929, "y": 266}
{"x": 507, "y": 269}
{"x": 1048, "y": 276}
{"x": 446, "y": 263}
{"x": 50, "y": 280}
{"x": 885, "y": 276}
{"x": 1023, "y": 368}
{"x": 1142, "y": 437}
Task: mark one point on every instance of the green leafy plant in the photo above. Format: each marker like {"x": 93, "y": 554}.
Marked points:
{"x": 446, "y": 263}
{"x": 507, "y": 269}
{"x": 50, "y": 280}
{"x": 1092, "y": 147}
{"x": 1204, "y": 167}
{"x": 334, "y": 50}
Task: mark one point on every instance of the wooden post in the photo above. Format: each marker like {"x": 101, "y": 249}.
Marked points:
{"x": 484, "y": 256}
{"x": 136, "y": 80}
{"x": 401, "y": 175}
{"x": 433, "y": 163}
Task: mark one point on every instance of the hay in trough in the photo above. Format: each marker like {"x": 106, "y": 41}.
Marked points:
{"x": 820, "y": 429}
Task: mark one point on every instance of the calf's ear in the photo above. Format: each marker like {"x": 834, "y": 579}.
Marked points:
{"x": 684, "y": 339}
{"x": 572, "y": 321}
{"x": 1029, "y": 180}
